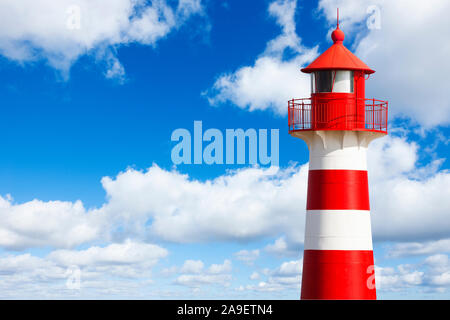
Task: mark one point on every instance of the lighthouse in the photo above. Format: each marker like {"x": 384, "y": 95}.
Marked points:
{"x": 337, "y": 123}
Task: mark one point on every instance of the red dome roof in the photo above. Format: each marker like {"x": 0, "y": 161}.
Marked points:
{"x": 337, "y": 57}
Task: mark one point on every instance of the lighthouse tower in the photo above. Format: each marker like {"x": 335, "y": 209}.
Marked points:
{"x": 337, "y": 123}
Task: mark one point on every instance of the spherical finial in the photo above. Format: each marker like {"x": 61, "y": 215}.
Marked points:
{"x": 337, "y": 35}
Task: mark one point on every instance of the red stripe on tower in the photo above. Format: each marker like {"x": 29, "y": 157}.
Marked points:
{"x": 338, "y": 274}
{"x": 338, "y": 189}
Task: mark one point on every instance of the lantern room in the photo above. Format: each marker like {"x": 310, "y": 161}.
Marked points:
{"x": 338, "y": 99}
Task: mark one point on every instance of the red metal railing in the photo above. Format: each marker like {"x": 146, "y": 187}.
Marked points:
{"x": 338, "y": 114}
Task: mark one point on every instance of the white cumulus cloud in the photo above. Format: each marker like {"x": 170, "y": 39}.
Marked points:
{"x": 419, "y": 248}
{"x": 54, "y": 223}
{"x": 247, "y": 256}
{"x": 285, "y": 277}
{"x": 59, "y": 32}
{"x": 430, "y": 275}
{"x": 193, "y": 275}
{"x": 102, "y": 271}
{"x": 192, "y": 266}
{"x": 242, "y": 205}
{"x": 129, "y": 252}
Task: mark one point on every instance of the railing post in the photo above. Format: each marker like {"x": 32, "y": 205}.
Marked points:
{"x": 373, "y": 114}
{"x": 303, "y": 114}
{"x": 387, "y": 112}
{"x": 289, "y": 115}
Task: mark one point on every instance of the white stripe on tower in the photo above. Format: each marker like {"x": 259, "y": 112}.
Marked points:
{"x": 338, "y": 150}
{"x": 338, "y": 230}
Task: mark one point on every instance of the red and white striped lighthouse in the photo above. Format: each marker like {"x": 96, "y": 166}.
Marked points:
{"x": 337, "y": 122}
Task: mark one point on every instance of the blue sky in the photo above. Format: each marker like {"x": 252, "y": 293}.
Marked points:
{"x": 86, "y": 177}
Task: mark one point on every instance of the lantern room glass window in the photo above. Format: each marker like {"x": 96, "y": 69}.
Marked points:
{"x": 332, "y": 81}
